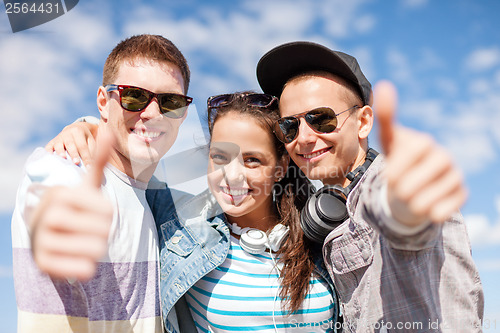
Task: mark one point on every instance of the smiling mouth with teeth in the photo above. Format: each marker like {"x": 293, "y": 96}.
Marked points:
{"x": 235, "y": 192}
{"x": 147, "y": 134}
{"x": 316, "y": 153}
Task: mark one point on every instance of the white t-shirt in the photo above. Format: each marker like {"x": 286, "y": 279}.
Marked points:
{"x": 242, "y": 295}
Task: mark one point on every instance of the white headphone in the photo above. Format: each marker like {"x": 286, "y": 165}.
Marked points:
{"x": 256, "y": 241}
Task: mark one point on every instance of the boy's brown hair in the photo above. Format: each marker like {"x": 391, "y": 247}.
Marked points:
{"x": 149, "y": 47}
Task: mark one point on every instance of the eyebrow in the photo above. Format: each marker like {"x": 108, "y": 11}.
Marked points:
{"x": 252, "y": 153}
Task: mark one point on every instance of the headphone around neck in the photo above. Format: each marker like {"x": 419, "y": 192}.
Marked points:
{"x": 326, "y": 209}
{"x": 256, "y": 241}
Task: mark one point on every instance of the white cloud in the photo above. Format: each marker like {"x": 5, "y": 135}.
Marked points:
{"x": 429, "y": 60}
{"x": 479, "y": 86}
{"x": 428, "y": 112}
{"x": 87, "y": 34}
{"x": 409, "y": 69}
{"x": 301, "y": 13}
{"x": 348, "y": 17}
{"x": 488, "y": 265}
{"x": 365, "y": 23}
{"x": 399, "y": 65}
{"x": 483, "y": 59}
{"x": 479, "y": 230}
{"x": 473, "y": 152}
{"x": 482, "y": 232}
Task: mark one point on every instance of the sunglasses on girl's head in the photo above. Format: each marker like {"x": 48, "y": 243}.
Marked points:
{"x": 321, "y": 120}
{"x": 258, "y": 100}
{"x": 136, "y": 99}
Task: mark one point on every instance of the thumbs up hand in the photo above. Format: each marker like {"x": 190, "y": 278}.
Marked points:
{"x": 70, "y": 226}
{"x": 423, "y": 182}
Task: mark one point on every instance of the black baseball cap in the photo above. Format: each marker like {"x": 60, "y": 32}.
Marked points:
{"x": 288, "y": 60}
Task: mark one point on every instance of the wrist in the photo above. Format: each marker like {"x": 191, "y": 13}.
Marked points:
{"x": 398, "y": 217}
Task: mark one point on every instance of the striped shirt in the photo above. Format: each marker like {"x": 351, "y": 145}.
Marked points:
{"x": 242, "y": 295}
{"x": 124, "y": 294}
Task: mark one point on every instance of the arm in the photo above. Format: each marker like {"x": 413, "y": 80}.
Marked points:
{"x": 77, "y": 140}
{"x": 417, "y": 190}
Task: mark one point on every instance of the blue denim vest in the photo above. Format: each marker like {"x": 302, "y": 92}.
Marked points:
{"x": 194, "y": 239}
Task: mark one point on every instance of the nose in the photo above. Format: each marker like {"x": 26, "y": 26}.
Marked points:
{"x": 306, "y": 134}
{"x": 152, "y": 110}
{"x": 234, "y": 172}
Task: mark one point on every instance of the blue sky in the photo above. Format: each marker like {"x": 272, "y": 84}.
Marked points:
{"x": 443, "y": 56}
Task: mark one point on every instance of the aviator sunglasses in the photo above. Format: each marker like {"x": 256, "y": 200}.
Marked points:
{"x": 321, "y": 120}
{"x": 136, "y": 99}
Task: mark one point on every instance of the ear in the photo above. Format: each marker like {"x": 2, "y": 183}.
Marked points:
{"x": 102, "y": 103}
{"x": 365, "y": 121}
{"x": 282, "y": 167}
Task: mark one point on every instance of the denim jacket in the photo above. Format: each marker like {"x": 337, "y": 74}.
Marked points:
{"x": 194, "y": 239}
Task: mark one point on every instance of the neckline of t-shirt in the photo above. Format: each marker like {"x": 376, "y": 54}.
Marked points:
{"x": 127, "y": 179}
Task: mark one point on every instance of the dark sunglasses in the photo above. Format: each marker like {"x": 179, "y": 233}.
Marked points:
{"x": 258, "y": 100}
{"x": 321, "y": 120}
{"x": 136, "y": 99}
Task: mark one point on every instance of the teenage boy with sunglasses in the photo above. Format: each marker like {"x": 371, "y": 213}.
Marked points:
{"x": 65, "y": 221}
{"x": 401, "y": 261}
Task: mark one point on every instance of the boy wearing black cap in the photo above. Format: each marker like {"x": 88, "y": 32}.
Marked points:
{"x": 401, "y": 260}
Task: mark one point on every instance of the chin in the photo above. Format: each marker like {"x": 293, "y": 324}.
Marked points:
{"x": 233, "y": 211}
{"x": 315, "y": 173}
{"x": 151, "y": 156}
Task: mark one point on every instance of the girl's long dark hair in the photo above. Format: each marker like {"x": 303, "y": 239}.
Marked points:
{"x": 291, "y": 192}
